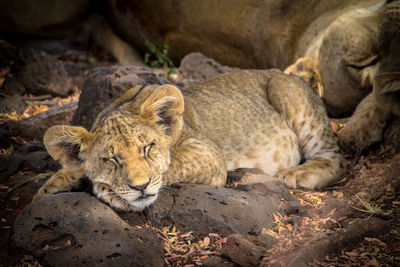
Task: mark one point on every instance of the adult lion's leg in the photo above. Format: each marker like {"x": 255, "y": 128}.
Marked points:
{"x": 61, "y": 181}
{"x": 365, "y": 126}
{"x": 196, "y": 160}
{"x": 306, "y": 115}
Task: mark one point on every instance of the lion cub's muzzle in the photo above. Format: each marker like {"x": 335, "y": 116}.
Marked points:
{"x": 141, "y": 189}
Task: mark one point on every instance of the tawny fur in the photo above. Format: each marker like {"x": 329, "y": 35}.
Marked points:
{"x": 160, "y": 135}
{"x": 355, "y": 66}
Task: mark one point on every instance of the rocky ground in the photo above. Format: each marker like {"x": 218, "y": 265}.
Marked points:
{"x": 354, "y": 222}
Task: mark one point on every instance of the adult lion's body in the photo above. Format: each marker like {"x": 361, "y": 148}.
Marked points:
{"x": 355, "y": 66}
{"x": 158, "y": 134}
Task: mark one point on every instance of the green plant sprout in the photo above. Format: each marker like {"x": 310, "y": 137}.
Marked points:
{"x": 159, "y": 59}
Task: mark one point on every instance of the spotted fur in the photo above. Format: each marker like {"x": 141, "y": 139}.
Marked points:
{"x": 159, "y": 135}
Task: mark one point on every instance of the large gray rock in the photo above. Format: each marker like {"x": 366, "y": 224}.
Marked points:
{"x": 76, "y": 229}
{"x": 32, "y": 156}
{"x": 104, "y": 85}
{"x": 34, "y": 127}
{"x": 205, "y": 209}
{"x": 246, "y": 33}
{"x": 37, "y": 73}
{"x": 12, "y": 103}
{"x": 196, "y": 67}
{"x": 242, "y": 251}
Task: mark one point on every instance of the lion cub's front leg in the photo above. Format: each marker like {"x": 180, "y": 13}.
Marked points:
{"x": 61, "y": 181}
{"x": 306, "y": 115}
{"x": 196, "y": 159}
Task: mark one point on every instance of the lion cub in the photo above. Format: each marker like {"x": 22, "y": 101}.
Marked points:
{"x": 156, "y": 135}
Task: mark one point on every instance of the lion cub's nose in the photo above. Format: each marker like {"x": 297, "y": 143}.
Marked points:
{"x": 139, "y": 187}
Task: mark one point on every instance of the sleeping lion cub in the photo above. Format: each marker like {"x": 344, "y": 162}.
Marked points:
{"x": 156, "y": 135}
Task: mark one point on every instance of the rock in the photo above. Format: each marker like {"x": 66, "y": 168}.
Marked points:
{"x": 76, "y": 229}
{"x": 237, "y": 174}
{"x": 290, "y": 205}
{"x": 246, "y": 34}
{"x": 7, "y": 54}
{"x": 37, "y": 73}
{"x": 242, "y": 251}
{"x": 43, "y": 17}
{"x": 77, "y": 69}
{"x": 104, "y": 85}
{"x": 39, "y": 161}
{"x": 34, "y": 127}
{"x": 9, "y": 166}
{"x": 32, "y": 146}
{"x": 43, "y": 230}
{"x": 206, "y": 209}
{"x": 196, "y": 67}
{"x": 338, "y": 206}
{"x": 32, "y": 156}
{"x": 12, "y": 103}
{"x": 246, "y": 250}
{"x": 264, "y": 241}
{"x": 5, "y": 140}
{"x": 317, "y": 250}
{"x": 217, "y": 261}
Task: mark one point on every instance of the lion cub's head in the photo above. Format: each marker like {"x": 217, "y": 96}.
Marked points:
{"x": 128, "y": 149}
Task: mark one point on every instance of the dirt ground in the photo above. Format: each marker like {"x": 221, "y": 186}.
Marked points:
{"x": 367, "y": 196}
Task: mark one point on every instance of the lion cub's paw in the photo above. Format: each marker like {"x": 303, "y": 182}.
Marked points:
{"x": 312, "y": 175}
{"x": 43, "y": 192}
{"x": 359, "y": 136}
{"x": 299, "y": 179}
{"x": 58, "y": 182}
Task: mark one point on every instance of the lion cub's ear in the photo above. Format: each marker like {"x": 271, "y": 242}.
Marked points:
{"x": 64, "y": 143}
{"x": 165, "y": 107}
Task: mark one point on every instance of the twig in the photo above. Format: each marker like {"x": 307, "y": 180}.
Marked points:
{"x": 38, "y": 98}
{"x": 29, "y": 179}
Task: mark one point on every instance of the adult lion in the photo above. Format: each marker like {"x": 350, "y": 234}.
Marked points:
{"x": 355, "y": 65}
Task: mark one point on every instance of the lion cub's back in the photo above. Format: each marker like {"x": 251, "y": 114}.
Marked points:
{"x": 234, "y": 112}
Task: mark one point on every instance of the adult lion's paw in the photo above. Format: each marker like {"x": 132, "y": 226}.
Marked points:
{"x": 359, "y": 136}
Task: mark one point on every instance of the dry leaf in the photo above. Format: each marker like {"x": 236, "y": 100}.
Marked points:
{"x": 371, "y": 239}
{"x": 213, "y": 235}
{"x": 14, "y": 198}
{"x": 351, "y": 253}
{"x": 206, "y": 241}
{"x": 3, "y": 187}
{"x": 221, "y": 241}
